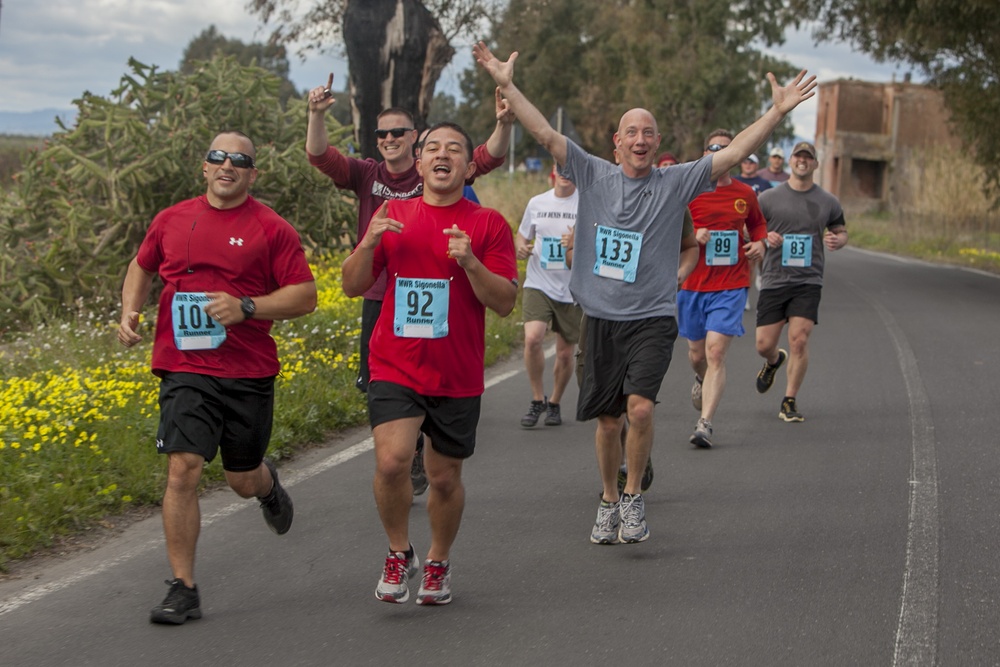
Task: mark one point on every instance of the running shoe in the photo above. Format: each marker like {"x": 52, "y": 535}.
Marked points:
{"x": 789, "y": 412}
{"x": 392, "y": 587}
{"x": 277, "y": 506}
{"x": 702, "y": 434}
{"x": 180, "y": 604}
{"x": 435, "y": 588}
{"x": 696, "y": 393}
{"x": 633, "y": 521}
{"x": 418, "y": 476}
{"x": 765, "y": 378}
{"x": 607, "y": 525}
{"x": 552, "y": 416}
{"x": 535, "y": 411}
{"x": 647, "y": 476}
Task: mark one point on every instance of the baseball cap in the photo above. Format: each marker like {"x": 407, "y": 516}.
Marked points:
{"x": 752, "y": 158}
{"x": 777, "y": 151}
{"x": 805, "y": 146}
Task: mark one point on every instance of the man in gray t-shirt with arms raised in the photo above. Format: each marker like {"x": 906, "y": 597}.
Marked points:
{"x": 629, "y": 257}
{"x": 809, "y": 219}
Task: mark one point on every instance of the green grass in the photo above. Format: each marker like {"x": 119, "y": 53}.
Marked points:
{"x": 972, "y": 242}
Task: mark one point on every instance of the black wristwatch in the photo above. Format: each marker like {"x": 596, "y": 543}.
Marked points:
{"x": 248, "y": 307}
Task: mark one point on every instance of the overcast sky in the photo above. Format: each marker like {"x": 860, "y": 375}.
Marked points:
{"x": 52, "y": 51}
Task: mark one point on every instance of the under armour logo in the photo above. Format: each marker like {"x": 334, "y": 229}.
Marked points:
{"x": 235, "y": 241}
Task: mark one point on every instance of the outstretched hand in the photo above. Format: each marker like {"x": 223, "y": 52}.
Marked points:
{"x": 502, "y": 72}
{"x": 379, "y": 225}
{"x": 788, "y": 97}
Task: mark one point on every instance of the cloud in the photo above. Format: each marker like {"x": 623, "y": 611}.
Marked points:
{"x": 51, "y": 52}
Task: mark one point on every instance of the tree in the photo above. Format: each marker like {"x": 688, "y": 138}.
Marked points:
{"x": 211, "y": 44}
{"x": 695, "y": 65}
{"x": 955, "y": 42}
{"x": 396, "y": 49}
{"x": 81, "y": 205}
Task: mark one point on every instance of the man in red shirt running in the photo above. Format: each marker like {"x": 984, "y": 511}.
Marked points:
{"x": 710, "y": 302}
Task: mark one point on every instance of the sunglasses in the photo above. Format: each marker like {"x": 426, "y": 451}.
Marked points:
{"x": 396, "y": 132}
{"x": 714, "y": 148}
{"x": 238, "y": 160}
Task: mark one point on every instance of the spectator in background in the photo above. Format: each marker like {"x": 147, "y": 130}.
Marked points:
{"x": 775, "y": 172}
{"x": 749, "y": 176}
{"x": 666, "y": 160}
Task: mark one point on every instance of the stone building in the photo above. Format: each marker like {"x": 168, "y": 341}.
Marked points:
{"x": 868, "y": 134}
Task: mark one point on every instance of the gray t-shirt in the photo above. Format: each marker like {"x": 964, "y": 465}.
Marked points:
{"x": 808, "y": 213}
{"x": 634, "y": 227}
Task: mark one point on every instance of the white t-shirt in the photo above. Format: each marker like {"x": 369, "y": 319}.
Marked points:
{"x": 546, "y": 218}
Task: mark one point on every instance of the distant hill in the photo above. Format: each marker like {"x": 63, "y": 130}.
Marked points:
{"x": 34, "y": 123}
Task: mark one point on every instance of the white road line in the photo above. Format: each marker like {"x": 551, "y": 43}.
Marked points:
{"x": 291, "y": 479}
{"x": 916, "y": 632}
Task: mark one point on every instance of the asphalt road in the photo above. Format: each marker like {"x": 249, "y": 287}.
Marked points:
{"x": 866, "y": 535}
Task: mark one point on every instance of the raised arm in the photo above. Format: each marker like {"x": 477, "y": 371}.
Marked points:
{"x": 320, "y": 99}
{"x": 785, "y": 99}
{"x": 532, "y": 119}
{"x": 499, "y": 141}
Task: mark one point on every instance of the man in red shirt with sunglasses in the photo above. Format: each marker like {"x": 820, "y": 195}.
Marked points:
{"x": 229, "y": 267}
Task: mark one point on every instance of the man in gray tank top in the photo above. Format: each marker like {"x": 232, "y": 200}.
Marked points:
{"x": 629, "y": 257}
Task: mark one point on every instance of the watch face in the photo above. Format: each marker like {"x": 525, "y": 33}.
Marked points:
{"x": 248, "y": 306}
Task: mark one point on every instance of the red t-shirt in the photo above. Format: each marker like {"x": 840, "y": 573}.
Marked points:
{"x": 729, "y": 207}
{"x": 373, "y": 183}
{"x": 245, "y": 251}
{"x": 453, "y": 364}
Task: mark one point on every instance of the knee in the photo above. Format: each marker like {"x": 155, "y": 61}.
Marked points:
{"x": 390, "y": 466}
{"x": 184, "y": 472}
{"x": 640, "y": 413}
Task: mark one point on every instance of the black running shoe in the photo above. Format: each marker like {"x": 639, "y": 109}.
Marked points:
{"x": 277, "y": 506}
{"x": 765, "y": 378}
{"x": 180, "y": 604}
{"x": 789, "y": 413}
{"x": 535, "y": 411}
{"x": 552, "y": 416}
{"x": 647, "y": 476}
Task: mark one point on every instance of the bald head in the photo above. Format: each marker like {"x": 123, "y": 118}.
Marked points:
{"x": 637, "y": 118}
{"x": 636, "y": 142}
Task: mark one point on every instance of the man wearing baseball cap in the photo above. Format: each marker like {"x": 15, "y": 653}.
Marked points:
{"x": 748, "y": 175}
{"x": 809, "y": 220}
{"x": 775, "y": 172}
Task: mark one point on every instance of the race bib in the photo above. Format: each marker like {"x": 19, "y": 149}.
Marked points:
{"x": 193, "y": 328}
{"x": 553, "y": 254}
{"x": 797, "y": 250}
{"x": 722, "y": 248}
{"x": 421, "y": 308}
{"x": 617, "y": 253}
